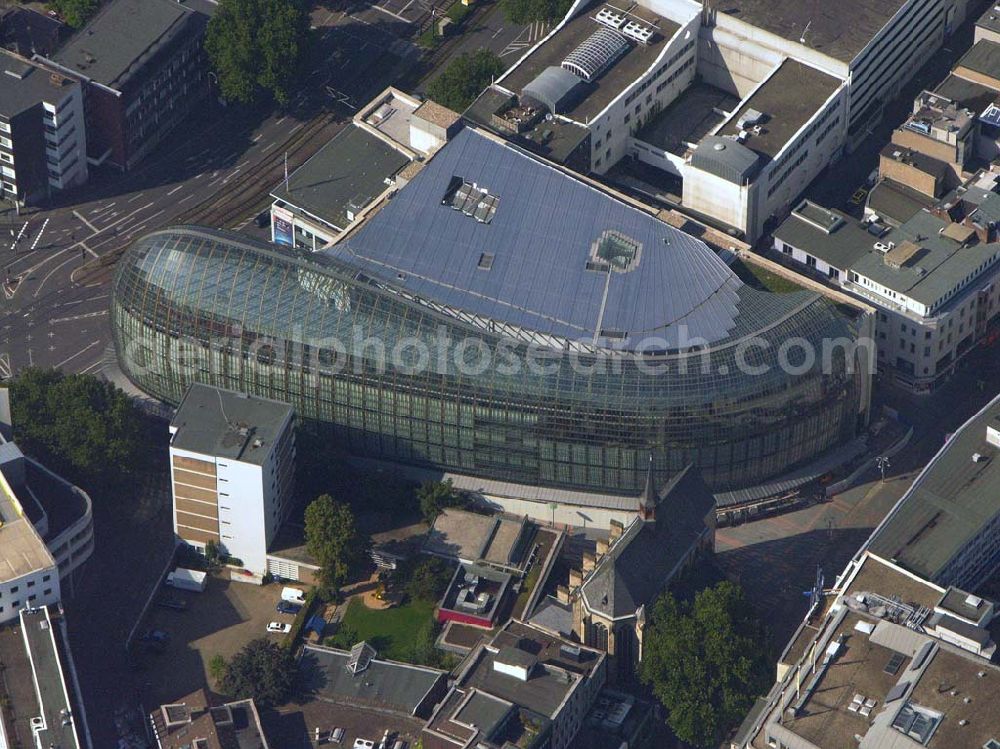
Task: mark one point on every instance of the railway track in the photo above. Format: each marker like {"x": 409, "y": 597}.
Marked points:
{"x": 249, "y": 190}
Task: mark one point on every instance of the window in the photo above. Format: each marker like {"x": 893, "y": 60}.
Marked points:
{"x": 810, "y": 261}
{"x": 47, "y": 592}
{"x": 31, "y": 583}
{"x": 15, "y": 588}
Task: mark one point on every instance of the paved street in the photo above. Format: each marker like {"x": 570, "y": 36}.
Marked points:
{"x": 55, "y": 290}
{"x": 775, "y": 559}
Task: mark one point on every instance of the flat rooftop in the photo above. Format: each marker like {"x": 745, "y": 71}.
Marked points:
{"x": 687, "y": 119}
{"x": 22, "y": 550}
{"x": 227, "y": 424}
{"x": 25, "y": 84}
{"x": 897, "y": 203}
{"x": 392, "y": 118}
{"x": 990, "y": 19}
{"x": 124, "y": 36}
{"x": 613, "y": 81}
{"x": 788, "y": 99}
{"x": 839, "y": 30}
{"x": 52, "y": 695}
{"x": 468, "y": 535}
{"x": 982, "y": 58}
{"x": 349, "y": 171}
{"x": 949, "y": 504}
{"x": 967, "y": 94}
{"x": 530, "y": 263}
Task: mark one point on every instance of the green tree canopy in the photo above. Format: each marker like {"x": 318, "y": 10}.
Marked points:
{"x": 79, "y": 426}
{"x": 332, "y": 537}
{"x": 706, "y": 662}
{"x": 465, "y": 78}
{"x": 75, "y": 12}
{"x": 256, "y": 46}
{"x": 262, "y": 670}
{"x": 435, "y": 496}
{"x": 428, "y": 579}
{"x": 528, "y": 11}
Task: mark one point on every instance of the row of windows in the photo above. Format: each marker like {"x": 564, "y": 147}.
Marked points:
{"x": 660, "y": 71}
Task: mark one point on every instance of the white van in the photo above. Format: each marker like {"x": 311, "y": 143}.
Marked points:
{"x": 293, "y": 595}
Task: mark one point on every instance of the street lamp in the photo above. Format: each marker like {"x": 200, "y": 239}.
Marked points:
{"x": 553, "y": 506}
{"x": 882, "y": 463}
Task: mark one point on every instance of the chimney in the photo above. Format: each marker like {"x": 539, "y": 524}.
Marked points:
{"x": 589, "y": 562}
{"x": 617, "y": 529}
{"x": 562, "y": 594}
{"x": 575, "y": 579}
{"x": 602, "y": 548}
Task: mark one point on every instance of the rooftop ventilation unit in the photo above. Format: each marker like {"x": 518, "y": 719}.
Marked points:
{"x": 609, "y": 17}
{"x": 638, "y": 32}
{"x": 750, "y": 118}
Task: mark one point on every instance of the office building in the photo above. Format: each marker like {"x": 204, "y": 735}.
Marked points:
{"x": 42, "y": 133}
{"x": 932, "y": 278}
{"x": 232, "y": 466}
{"x": 744, "y": 103}
{"x": 491, "y": 251}
{"x": 46, "y": 533}
{"x": 42, "y": 703}
{"x": 366, "y": 162}
{"x": 143, "y": 70}
{"x": 522, "y": 687}
{"x": 898, "y": 653}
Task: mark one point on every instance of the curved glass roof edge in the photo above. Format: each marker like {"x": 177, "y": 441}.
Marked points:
{"x": 794, "y": 303}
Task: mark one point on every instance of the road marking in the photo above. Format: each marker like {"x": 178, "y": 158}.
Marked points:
{"x": 99, "y": 313}
{"x": 80, "y": 216}
{"x": 278, "y": 122}
{"x": 240, "y": 166}
{"x": 183, "y": 200}
{"x": 267, "y": 147}
{"x": 70, "y": 358}
{"x": 258, "y": 137}
{"x": 497, "y": 33}
{"x": 5, "y": 372}
{"x": 48, "y": 275}
{"x": 98, "y": 363}
{"x": 135, "y": 197}
{"x": 179, "y": 187}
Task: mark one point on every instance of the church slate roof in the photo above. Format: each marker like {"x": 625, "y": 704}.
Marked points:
{"x": 636, "y": 567}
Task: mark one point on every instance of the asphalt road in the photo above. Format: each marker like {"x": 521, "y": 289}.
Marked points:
{"x": 55, "y": 291}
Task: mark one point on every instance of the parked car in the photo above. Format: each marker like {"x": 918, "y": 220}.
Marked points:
{"x": 155, "y": 635}
{"x": 281, "y": 628}
{"x": 284, "y": 607}
{"x": 169, "y": 602}
{"x": 337, "y": 735}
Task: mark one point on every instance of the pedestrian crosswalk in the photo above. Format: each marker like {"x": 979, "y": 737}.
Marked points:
{"x": 528, "y": 37}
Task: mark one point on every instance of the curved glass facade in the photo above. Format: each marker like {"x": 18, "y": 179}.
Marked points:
{"x": 402, "y": 378}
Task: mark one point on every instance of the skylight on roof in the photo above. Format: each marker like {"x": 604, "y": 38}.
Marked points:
{"x": 614, "y": 250}
{"x": 471, "y": 199}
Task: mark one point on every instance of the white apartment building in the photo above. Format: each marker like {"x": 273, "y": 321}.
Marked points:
{"x": 39, "y": 550}
{"x": 935, "y": 279}
{"x": 42, "y": 132}
{"x": 232, "y": 472}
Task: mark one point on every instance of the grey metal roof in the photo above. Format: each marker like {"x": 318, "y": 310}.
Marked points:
{"x": 637, "y": 566}
{"x": 725, "y": 158}
{"x": 353, "y": 165}
{"x": 387, "y": 685}
{"x": 841, "y": 247}
{"x": 24, "y": 85}
{"x": 948, "y": 505}
{"x": 556, "y": 88}
{"x": 542, "y": 236}
{"x": 209, "y": 420}
{"x": 124, "y": 36}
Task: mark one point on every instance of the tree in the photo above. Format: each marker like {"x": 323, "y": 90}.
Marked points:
{"x": 465, "y": 78}
{"x": 705, "y": 661}
{"x": 217, "y": 668}
{"x": 435, "y": 496}
{"x": 528, "y": 11}
{"x": 429, "y": 579}
{"x": 332, "y": 537}
{"x": 211, "y": 551}
{"x": 79, "y": 426}
{"x": 256, "y": 47}
{"x": 422, "y": 649}
{"x": 262, "y": 670}
{"x": 75, "y": 12}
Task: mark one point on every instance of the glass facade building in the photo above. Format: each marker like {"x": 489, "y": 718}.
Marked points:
{"x": 401, "y": 377}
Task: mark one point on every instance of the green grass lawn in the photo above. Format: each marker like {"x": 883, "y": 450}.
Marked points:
{"x": 759, "y": 278}
{"x": 390, "y": 631}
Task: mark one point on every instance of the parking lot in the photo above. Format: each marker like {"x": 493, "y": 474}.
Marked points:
{"x": 219, "y": 621}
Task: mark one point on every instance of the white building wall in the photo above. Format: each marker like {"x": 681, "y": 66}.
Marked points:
{"x": 719, "y": 198}
{"x": 671, "y": 73}
{"x": 37, "y": 588}
{"x": 67, "y": 147}
{"x": 242, "y": 529}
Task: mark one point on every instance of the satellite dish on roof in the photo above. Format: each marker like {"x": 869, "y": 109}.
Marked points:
{"x": 719, "y": 146}
{"x": 548, "y": 117}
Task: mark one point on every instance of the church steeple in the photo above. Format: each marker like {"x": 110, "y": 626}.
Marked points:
{"x": 649, "y": 497}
